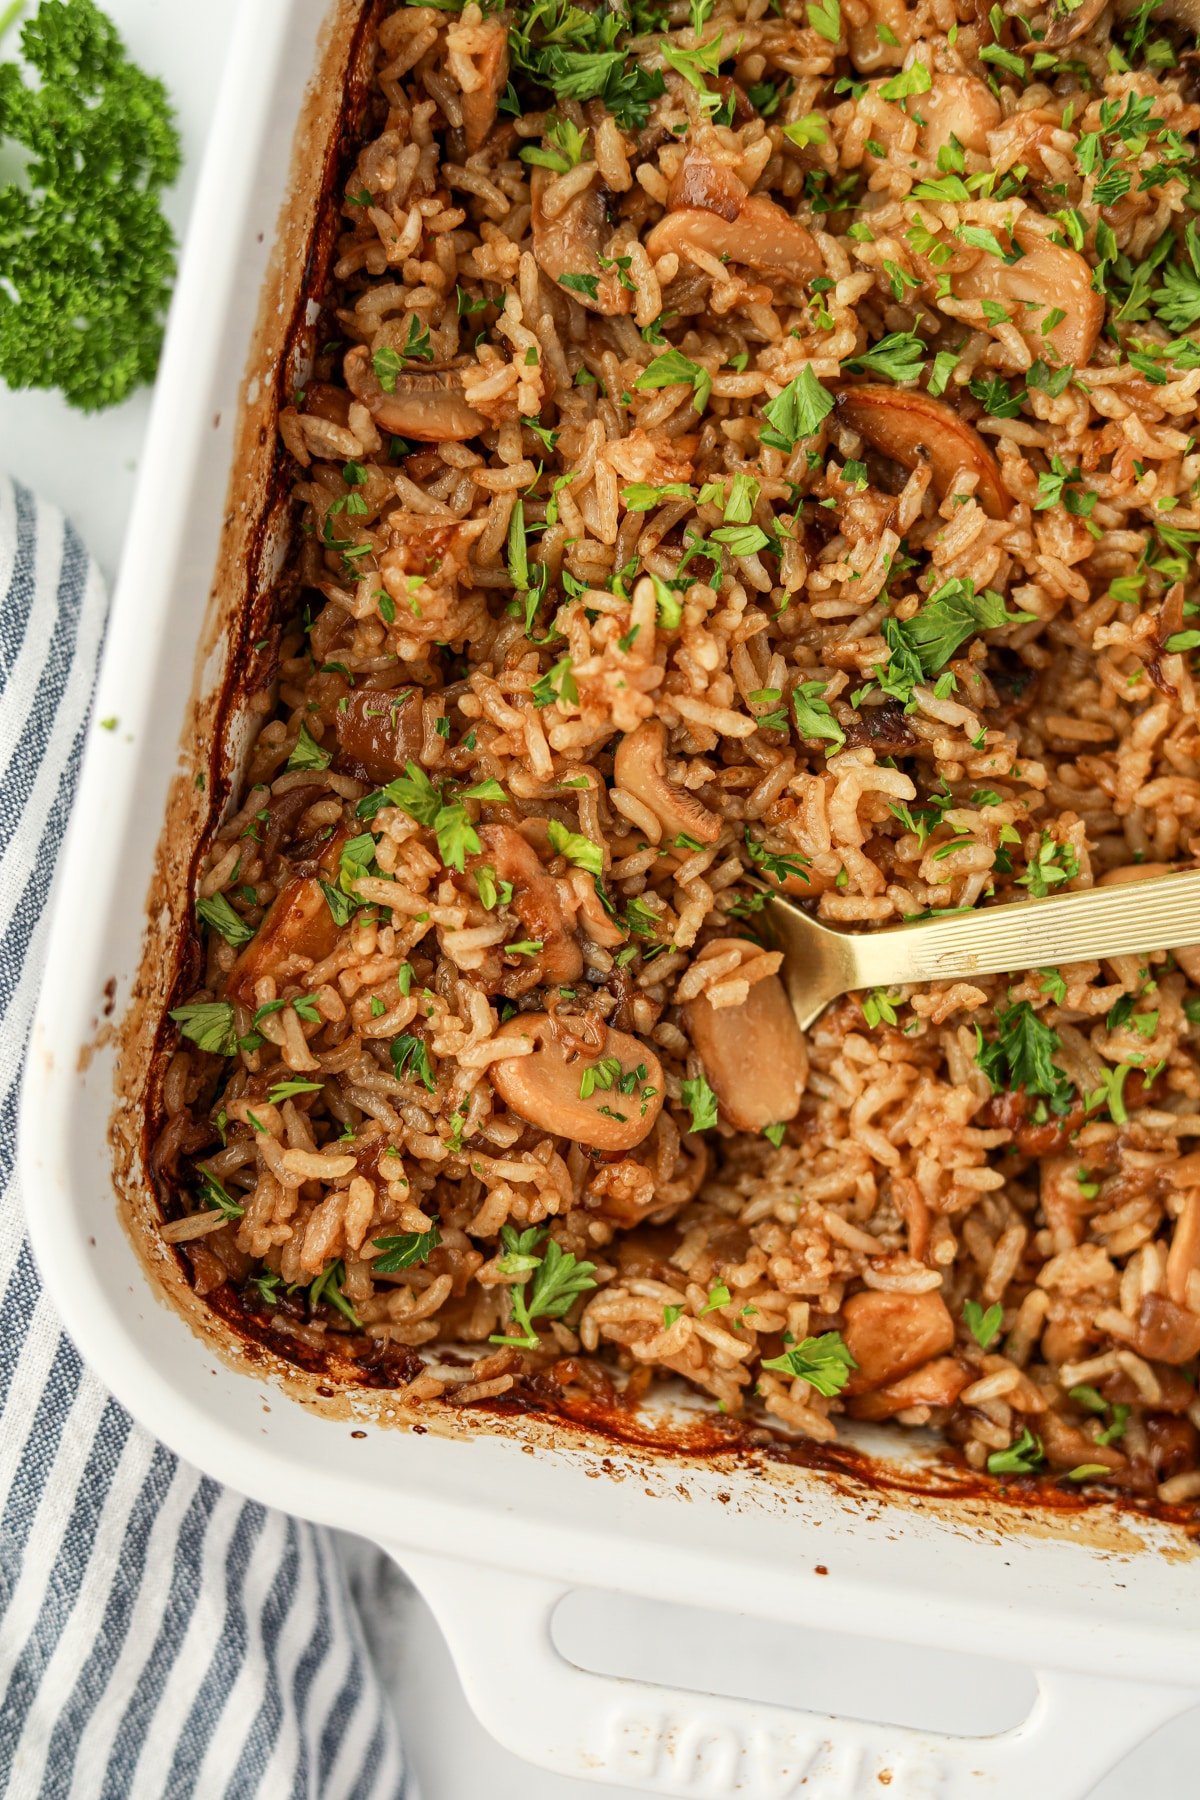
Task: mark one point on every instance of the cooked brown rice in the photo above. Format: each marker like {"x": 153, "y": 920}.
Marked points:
{"x": 906, "y": 633}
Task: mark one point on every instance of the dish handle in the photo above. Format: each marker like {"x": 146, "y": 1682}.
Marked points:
{"x": 662, "y": 1740}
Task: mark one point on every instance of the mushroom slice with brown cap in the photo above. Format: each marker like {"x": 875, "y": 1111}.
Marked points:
{"x": 961, "y": 107}
{"x": 537, "y": 903}
{"x": 425, "y": 404}
{"x": 1045, "y": 278}
{"x": 710, "y": 209}
{"x": 1065, "y": 25}
{"x": 640, "y": 768}
{"x": 380, "y": 732}
{"x": 913, "y": 428}
{"x": 571, "y": 242}
{"x": 298, "y": 924}
{"x": 608, "y": 1100}
{"x": 753, "y": 1054}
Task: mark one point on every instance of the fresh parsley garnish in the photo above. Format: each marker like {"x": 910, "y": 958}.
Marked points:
{"x": 557, "y": 1281}
{"x": 403, "y": 1251}
{"x": 209, "y": 1025}
{"x": 1023, "y": 1457}
{"x": 814, "y": 718}
{"x": 217, "y": 912}
{"x": 900, "y": 357}
{"x": 702, "y": 1101}
{"x": 983, "y": 1326}
{"x": 824, "y": 1362}
{"x": 328, "y": 1288}
{"x": 1022, "y": 1055}
{"x": 409, "y": 1052}
{"x": 576, "y": 848}
{"x": 796, "y": 411}
{"x": 674, "y": 369}
{"x": 307, "y": 753}
{"x": 87, "y": 258}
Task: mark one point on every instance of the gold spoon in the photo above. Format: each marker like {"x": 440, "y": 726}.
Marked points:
{"x": 1160, "y": 913}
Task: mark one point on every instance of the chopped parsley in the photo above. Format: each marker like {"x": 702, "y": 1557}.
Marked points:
{"x": 403, "y": 1251}
{"x": 813, "y": 716}
{"x": 1051, "y": 865}
{"x": 674, "y": 369}
{"x": 218, "y": 1198}
{"x": 307, "y": 753}
{"x": 218, "y": 913}
{"x": 209, "y": 1025}
{"x": 900, "y": 357}
{"x": 824, "y": 1362}
{"x": 328, "y": 1288}
{"x": 947, "y": 619}
{"x": 1022, "y": 1055}
{"x": 448, "y": 819}
{"x": 1023, "y": 1457}
{"x": 983, "y": 1326}
{"x": 699, "y": 1097}
{"x": 557, "y": 1282}
{"x": 411, "y": 1053}
{"x": 796, "y": 411}
{"x": 576, "y": 848}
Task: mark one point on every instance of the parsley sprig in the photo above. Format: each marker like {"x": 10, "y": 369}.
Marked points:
{"x": 558, "y": 1280}
{"x": 824, "y": 1362}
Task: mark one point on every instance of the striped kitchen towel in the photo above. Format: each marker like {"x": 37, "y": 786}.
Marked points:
{"x": 159, "y": 1636}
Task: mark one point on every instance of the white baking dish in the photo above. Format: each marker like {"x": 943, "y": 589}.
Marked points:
{"x": 496, "y": 1520}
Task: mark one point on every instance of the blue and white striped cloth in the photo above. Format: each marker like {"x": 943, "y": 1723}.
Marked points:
{"x": 160, "y": 1637}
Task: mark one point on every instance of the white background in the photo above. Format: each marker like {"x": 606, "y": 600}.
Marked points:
{"x": 89, "y": 465}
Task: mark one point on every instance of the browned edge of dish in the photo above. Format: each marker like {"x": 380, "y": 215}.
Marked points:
{"x": 246, "y": 603}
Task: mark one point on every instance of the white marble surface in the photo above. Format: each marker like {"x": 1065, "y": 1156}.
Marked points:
{"x": 89, "y": 466}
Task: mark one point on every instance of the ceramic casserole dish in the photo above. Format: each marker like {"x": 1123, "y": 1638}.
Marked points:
{"x": 496, "y": 1518}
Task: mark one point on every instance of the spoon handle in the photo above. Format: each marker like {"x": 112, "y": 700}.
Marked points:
{"x": 1160, "y": 913}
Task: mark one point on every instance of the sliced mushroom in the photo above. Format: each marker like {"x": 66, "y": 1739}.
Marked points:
{"x": 708, "y": 207}
{"x": 1068, "y": 1446}
{"x": 753, "y": 1054}
{"x": 640, "y": 769}
{"x": 543, "y": 1085}
{"x": 889, "y": 1334}
{"x": 572, "y": 241}
{"x": 536, "y": 902}
{"x": 380, "y": 732}
{"x": 426, "y": 404}
{"x": 324, "y": 401}
{"x": 1173, "y": 1445}
{"x": 490, "y": 64}
{"x": 298, "y": 925}
{"x": 1131, "y": 872}
{"x": 1166, "y": 1332}
{"x": 912, "y": 428}
{"x": 1183, "y": 1258}
{"x": 1187, "y": 12}
{"x": 958, "y": 106}
{"x": 936, "y": 1383}
{"x": 1065, "y": 26}
{"x": 701, "y": 182}
{"x": 1044, "y": 278}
